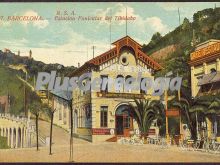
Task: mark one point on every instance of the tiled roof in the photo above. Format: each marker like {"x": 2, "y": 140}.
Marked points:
{"x": 114, "y": 52}
{"x": 67, "y": 95}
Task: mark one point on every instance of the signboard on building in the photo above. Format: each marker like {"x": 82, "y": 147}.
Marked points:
{"x": 211, "y": 49}
{"x": 172, "y": 113}
{"x": 120, "y": 95}
{"x": 102, "y": 131}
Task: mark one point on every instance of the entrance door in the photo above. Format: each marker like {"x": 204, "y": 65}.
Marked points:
{"x": 127, "y": 124}
{"x": 119, "y": 125}
{"x": 123, "y": 125}
{"x": 123, "y": 120}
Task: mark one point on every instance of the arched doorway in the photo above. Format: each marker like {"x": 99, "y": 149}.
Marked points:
{"x": 123, "y": 120}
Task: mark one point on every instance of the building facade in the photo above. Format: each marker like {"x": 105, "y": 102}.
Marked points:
{"x": 205, "y": 76}
{"x": 62, "y": 115}
{"x": 105, "y": 113}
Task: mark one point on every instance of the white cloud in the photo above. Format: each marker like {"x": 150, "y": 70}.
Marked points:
{"x": 68, "y": 54}
{"x": 140, "y": 23}
{"x": 14, "y": 43}
{"x": 172, "y": 6}
{"x": 41, "y": 24}
{"x": 156, "y": 23}
{"x": 187, "y": 9}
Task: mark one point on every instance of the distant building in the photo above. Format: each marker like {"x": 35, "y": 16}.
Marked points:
{"x": 205, "y": 76}
{"x": 30, "y": 54}
{"x": 6, "y": 50}
{"x": 60, "y": 101}
{"x": 205, "y": 68}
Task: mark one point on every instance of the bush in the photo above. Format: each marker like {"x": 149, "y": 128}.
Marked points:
{"x": 3, "y": 143}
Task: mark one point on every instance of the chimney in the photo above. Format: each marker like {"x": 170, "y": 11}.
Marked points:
{"x": 18, "y": 52}
{"x": 78, "y": 64}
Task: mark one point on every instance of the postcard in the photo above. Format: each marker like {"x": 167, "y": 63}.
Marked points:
{"x": 110, "y": 82}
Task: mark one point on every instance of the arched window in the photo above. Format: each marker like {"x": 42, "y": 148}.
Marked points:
{"x": 119, "y": 85}
{"x": 129, "y": 83}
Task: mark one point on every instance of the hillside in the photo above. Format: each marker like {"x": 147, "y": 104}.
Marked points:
{"x": 32, "y": 66}
{"x": 11, "y": 66}
{"x": 163, "y": 53}
{"x": 205, "y": 26}
{"x": 12, "y": 86}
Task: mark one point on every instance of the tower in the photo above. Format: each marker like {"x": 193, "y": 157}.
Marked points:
{"x": 30, "y": 54}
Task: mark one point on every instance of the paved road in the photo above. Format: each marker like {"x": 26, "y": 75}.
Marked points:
{"x": 106, "y": 152}
{"x": 101, "y": 152}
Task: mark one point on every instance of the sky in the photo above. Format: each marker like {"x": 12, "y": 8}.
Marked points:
{"x": 69, "y": 42}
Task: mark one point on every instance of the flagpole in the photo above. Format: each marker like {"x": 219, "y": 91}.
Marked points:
{"x": 126, "y": 22}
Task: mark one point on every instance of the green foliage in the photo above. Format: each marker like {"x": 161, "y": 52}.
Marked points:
{"x": 174, "y": 128}
{"x": 206, "y": 25}
{"x": 184, "y": 106}
{"x": 204, "y": 106}
{"x": 10, "y": 84}
{"x": 145, "y": 111}
{"x": 186, "y": 24}
{"x": 32, "y": 66}
{"x": 36, "y": 108}
{"x": 3, "y": 143}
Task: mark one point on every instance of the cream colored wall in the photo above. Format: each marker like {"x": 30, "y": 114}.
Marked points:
{"x": 61, "y": 106}
{"x": 204, "y": 68}
{"x": 112, "y": 69}
{"x": 211, "y": 65}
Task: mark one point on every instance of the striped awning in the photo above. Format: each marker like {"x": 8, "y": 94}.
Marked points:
{"x": 216, "y": 78}
{"x": 207, "y": 78}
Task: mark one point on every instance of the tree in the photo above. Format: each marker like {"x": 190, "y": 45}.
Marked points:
{"x": 50, "y": 112}
{"x": 214, "y": 107}
{"x": 156, "y": 37}
{"x": 186, "y": 24}
{"x": 36, "y": 108}
{"x": 145, "y": 111}
{"x": 189, "y": 107}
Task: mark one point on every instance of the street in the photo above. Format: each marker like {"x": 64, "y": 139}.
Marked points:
{"x": 101, "y": 152}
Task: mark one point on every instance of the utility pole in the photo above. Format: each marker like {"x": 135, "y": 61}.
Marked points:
{"x": 110, "y": 30}
{"x": 179, "y": 15}
{"x": 93, "y": 51}
{"x": 87, "y": 53}
{"x": 25, "y": 108}
{"x": 126, "y": 22}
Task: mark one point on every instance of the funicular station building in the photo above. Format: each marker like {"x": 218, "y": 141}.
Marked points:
{"x": 106, "y": 114}
{"x": 205, "y": 77}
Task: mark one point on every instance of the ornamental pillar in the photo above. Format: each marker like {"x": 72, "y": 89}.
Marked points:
{"x": 205, "y": 68}
{"x": 193, "y": 82}
{"x": 16, "y": 138}
{"x": 22, "y": 139}
{"x": 8, "y": 136}
{"x": 12, "y": 138}
{"x": 217, "y": 65}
